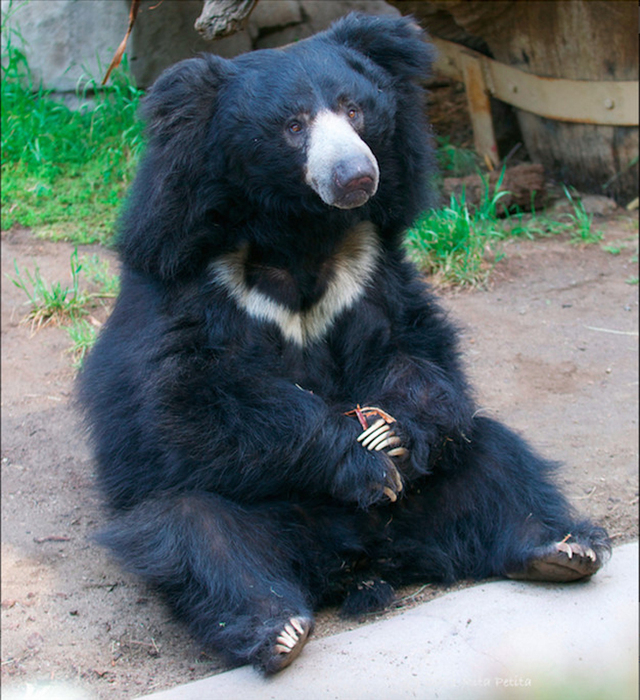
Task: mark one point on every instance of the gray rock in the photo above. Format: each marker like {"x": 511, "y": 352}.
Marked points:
{"x": 68, "y": 42}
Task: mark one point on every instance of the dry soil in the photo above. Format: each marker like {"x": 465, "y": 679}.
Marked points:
{"x": 551, "y": 346}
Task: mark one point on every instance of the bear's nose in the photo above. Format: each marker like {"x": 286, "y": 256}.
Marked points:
{"x": 355, "y": 180}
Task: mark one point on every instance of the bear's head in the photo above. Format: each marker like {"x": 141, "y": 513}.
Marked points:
{"x": 329, "y": 129}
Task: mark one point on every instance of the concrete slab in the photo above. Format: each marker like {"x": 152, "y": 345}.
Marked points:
{"x": 502, "y": 639}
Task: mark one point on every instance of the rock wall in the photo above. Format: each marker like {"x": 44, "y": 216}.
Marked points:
{"x": 68, "y": 41}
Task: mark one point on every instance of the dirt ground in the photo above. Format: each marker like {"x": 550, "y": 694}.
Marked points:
{"x": 551, "y": 346}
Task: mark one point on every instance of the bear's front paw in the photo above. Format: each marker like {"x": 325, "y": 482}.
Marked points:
{"x": 392, "y": 485}
{"x": 367, "y": 478}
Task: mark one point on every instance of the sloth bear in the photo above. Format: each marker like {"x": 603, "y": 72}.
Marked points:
{"x": 277, "y": 405}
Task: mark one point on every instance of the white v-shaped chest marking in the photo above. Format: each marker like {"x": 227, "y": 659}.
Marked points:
{"x": 353, "y": 267}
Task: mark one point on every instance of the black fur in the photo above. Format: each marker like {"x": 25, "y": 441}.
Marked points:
{"x": 235, "y": 481}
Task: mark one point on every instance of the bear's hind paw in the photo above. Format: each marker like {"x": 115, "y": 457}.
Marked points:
{"x": 560, "y": 562}
{"x": 288, "y": 645}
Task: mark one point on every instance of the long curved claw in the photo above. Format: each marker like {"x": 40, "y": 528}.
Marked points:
{"x": 289, "y": 643}
{"x": 380, "y": 437}
{"x": 372, "y": 432}
{"x": 566, "y": 548}
{"x": 391, "y": 495}
{"x": 391, "y": 441}
{"x": 373, "y": 444}
{"x": 399, "y": 452}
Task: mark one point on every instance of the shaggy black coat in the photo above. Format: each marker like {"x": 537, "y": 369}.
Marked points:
{"x": 235, "y": 480}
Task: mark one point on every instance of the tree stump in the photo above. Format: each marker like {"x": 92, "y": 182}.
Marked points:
{"x": 576, "y": 40}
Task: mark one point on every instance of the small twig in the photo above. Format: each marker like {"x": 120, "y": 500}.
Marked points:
{"x": 151, "y": 645}
{"x": 117, "y": 58}
{"x": 582, "y": 498}
{"x": 362, "y": 411}
{"x": 609, "y": 330}
{"x": 413, "y": 595}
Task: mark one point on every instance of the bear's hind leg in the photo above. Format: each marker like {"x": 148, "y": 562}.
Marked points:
{"x": 493, "y": 509}
{"x": 231, "y": 573}
{"x": 539, "y": 537}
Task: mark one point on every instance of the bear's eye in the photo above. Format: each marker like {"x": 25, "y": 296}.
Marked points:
{"x": 295, "y": 127}
{"x": 352, "y": 112}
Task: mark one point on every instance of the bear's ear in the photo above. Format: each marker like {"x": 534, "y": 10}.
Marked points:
{"x": 163, "y": 225}
{"x": 396, "y": 44}
{"x": 184, "y": 95}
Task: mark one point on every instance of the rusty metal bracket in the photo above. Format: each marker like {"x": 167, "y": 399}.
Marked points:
{"x": 608, "y": 102}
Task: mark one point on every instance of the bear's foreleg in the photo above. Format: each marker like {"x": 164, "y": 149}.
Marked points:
{"x": 426, "y": 405}
{"x": 271, "y": 437}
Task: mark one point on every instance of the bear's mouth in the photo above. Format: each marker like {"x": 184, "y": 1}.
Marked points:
{"x": 356, "y": 195}
{"x": 355, "y": 192}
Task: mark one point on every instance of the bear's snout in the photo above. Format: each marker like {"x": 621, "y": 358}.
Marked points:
{"x": 355, "y": 180}
{"x": 340, "y": 167}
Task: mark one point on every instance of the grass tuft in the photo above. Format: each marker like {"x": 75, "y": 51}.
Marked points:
{"x": 459, "y": 244}
{"x": 55, "y": 303}
{"x": 51, "y": 302}
{"x": 83, "y": 335}
{"x": 580, "y": 222}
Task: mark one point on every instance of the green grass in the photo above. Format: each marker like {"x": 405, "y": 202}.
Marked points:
{"x": 454, "y": 161}
{"x": 460, "y": 244}
{"x": 83, "y": 335}
{"x": 64, "y": 305}
{"x": 455, "y": 244}
{"x": 51, "y": 302}
{"x": 580, "y": 222}
{"x": 64, "y": 171}
{"x": 97, "y": 272}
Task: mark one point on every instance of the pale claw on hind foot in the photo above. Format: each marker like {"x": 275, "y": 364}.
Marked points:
{"x": 574, "y": 548}
{"x": 289, "y": 643}
{"x": 561, "y": 561}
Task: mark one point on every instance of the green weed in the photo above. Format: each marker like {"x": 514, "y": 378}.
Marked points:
{"x": 455, "y": 161}
{"x": 580, "y": 222}
{"x": 83, "y": 335}
{"x": 456, "y": 243}
{"x": 96, "y": 271}
{"x": 613, "y": 249}
{"x": 51, "y": 302}
{"x": 460, "y": 243}
{"x": 55, "y": 303}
